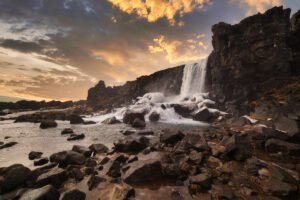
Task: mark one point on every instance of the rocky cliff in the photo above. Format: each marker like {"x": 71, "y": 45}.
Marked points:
{"x": 167, "y": 81}
{"x": 257, "y": 59}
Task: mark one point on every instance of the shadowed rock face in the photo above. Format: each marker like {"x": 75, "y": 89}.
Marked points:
{"x": 253, "y": 56}
{"x": 167, "y": 81}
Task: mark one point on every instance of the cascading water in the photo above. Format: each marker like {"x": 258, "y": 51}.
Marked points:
{"x": 193, "y": 80}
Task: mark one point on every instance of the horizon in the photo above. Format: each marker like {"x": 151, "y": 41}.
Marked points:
{"x": 57, "y": 50}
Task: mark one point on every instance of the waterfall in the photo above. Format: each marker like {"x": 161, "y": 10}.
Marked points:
{"x": 193, "y": 80}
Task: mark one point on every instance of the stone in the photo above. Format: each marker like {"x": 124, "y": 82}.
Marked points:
{"x": 195, "y": 157}
{"x": 74, "y": 194}
{"x": 138, "y": 123}
{"x": 98, "y": 148}
{"x": 94, "y": 181}
{"x": 144, "y": 171}
{"x": 65, "y": 158}
{"x": 41, "y": 161}
{"x": 203, "y": 180}
{"x": 104, "y": 160}
{"x": 202, "y": 115}
{"x": 8, "y": 144}
{"x": 48, "y": 124}
{"x": 154, "y": 116}
{"x": 222, "y": 192}
{"x": 112, "y": 120}
{"x": 171, "y": 137}
{"x": 130, "y": 116}
{"x": 238, "y": 148}
{"x": 182, "y": 110}
{"x": 77, "y": 174}
{"x": 54, "y": 177}
{"x": 89, "y": 122}
{"x": 276, "y": 146}
{"x": 67, "y": 131}
{"x": 47, "y": 192}
{"x": 279, "y": 188}
{"x": 129, "y": 146}
{"x": 13, "y": 176}
{"x": 290, "y": 126}
{"x": 76, "y": 119}
{"x": 145, "y": 133}
{"x": 82, "y": 150}
{"x": 90, "y": 162}
{"x": 34, "y": 155}
{"x": 193, "y": 142}
{"x": 76, "y": 137}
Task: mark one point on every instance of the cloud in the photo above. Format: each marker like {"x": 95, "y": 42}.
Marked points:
{"x": 176, "y": 51}
{"x": 23, "y": 46}
{"x": 152, "y": 10}
{"x": 254, "y": 6}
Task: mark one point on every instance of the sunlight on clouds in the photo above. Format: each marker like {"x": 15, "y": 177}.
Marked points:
{"x": 254, "y": 6}
{"x": 177, "y": 51}
{"x": 153, "y": 10}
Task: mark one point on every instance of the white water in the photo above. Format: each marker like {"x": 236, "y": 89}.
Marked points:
{"x": 191, "y": 95}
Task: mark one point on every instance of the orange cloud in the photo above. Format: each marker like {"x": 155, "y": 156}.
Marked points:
{"x": 254, "y": 6}
{"x": 153, "y": 10}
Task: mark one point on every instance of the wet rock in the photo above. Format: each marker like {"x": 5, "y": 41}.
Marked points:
{"x": 253, "y": 166}
{"x": 48, "y": 124}
{"x": 67, "y": 131}
{"x": 76, "y": 119}
{"x": 47, "y": 192}
{"x": 138, "y": 123}
{"x": 143, "y": 172}
{"x": 8, "y": 144}
{"x": 222, "y": 192}
{"x": 128, "y": 132}
{"x": 154, "y": 117}
{"x": 94, "y": 181}
{"x": 192, "y": 142}
{"x": 182, "y": 110}
{"x": 171, "y": 137}
{"x": 40, "y": 161}
{"x": 34, "y": 155}
{"x": 114, "y": 170}
{"x": 89, "y": 171}
{"x": 203, "y": 180}
{"x": 202, "y": 115}
{"x": 82, "y": 150}
{"x": 90, "y": 162}
{"x": 66, "y": 158}
{"x": 275, "y": 146}
{"x": 54, "y": 177}
{"x": 278, "y": 188}
{"x": 76, "y": 137}
{"x": 238, "y": 148}
{"x": 89, "y": 122}
{"x": 76, "y": 173}
{"x": 290, "y": 126}
{"x": 145, "y": 133}
{"x": 13, "y": 176}
{"x": 129, "y": 117}
{"x": 129, "y": 146}
{"x": 98, "y": 148}
{"x": 112, "y": 120}
{"x": 73, "y": 195}
{"x": 264, "y": 133}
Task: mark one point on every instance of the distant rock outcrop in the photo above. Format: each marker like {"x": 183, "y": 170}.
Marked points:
{"x": 167, "y": 81}
{"x": 254, "y": 58}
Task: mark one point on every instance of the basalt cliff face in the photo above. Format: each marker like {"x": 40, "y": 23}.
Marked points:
{"x": 168, "y": 81}
{"x": 255, "y": 60}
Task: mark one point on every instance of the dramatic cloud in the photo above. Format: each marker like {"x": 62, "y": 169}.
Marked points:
{"x": 254, "y": 6}
{"x": 153, "y": 10}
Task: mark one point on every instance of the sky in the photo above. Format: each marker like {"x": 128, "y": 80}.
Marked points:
{"x": 57, "y": 49}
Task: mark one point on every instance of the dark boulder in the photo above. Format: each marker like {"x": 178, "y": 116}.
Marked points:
{"x": 54, "y": 177}
{"x": 94, "y": 181}
{"x": 48, "y": 124}
{"x": 130, "y": 116}
{"x": 76, "y": 174}
{"x": 83, "y": 150}
{"x": 138, "y": 123}
{"x": 98, "y": 148}
{"x": 238, "y": 148}
{"x": 67, "y": 131}
{"x": 144, "y": 171}
{"x": 34, "y": 155}
{"x": 154, "y": 116}
{"x": 47, "y": 192}
{"x": 129, "y": 145}
{"x": 203, "y": 115}
{"x": 171, "y": 137}
{"x": 73, "y": 195}
{"x": 76, "y": 137}
{"x": 76, "y": 119}
{"x": 192, "y": 142}
{"x": 66, "y": 158}
{"x": 112, "y": 120}
{"x": 89, "y": 122}
{"x": 203, "y": 180}
{"x": 40, "y": 161}
{"x": 276, "y": 146}
{"x": 8, "y": 144}
{"x": 279, "y": 188}
{"x": 182, "y": 110}
{"x": 13, "y": 176}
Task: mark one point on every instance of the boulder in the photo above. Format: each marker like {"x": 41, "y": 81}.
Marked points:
{"x": 279, "y": 188}
{"x": 290, "y": 126}
{"x": 54, "y": 177}
{"x": 66, "y": 158}
{"x": 40, "y": 161}
{"x": 154, "y": 116}
{"x": 182, "y": 110}
{"x": 94, "y": 181}
{"x": 138, "y": 123}
{"x": 143, "y": 171}
{"x": 13, "y": 176}
{"x": 89, "y": 122}
{"x": 203, "y": 115}
{"x": 76, "y": 119}
{"x": 67, "y": 131}
{"x": 171, "y": 137}
{"x": 238, "y": 148}
{"x": 98, "y": 148}
{"x": 112, "y": 120}
{"x": 8, "y": 144}
{"x": 276, "y": 146}
{"x": 34, "y": 155}
{"x": 203, "y": 180}
{"x": 83, "y": 150}
{"x": 76, "y": 137}
{"x": 74, "y": 194}
{"x": 129, "y": 146}
{"x": 47, "y": 192}
{"x": 76, "y": 174}
{"x": 48, "y": 124}
{"x": 130, "y": 116}
{"x": 192, "y": 142}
